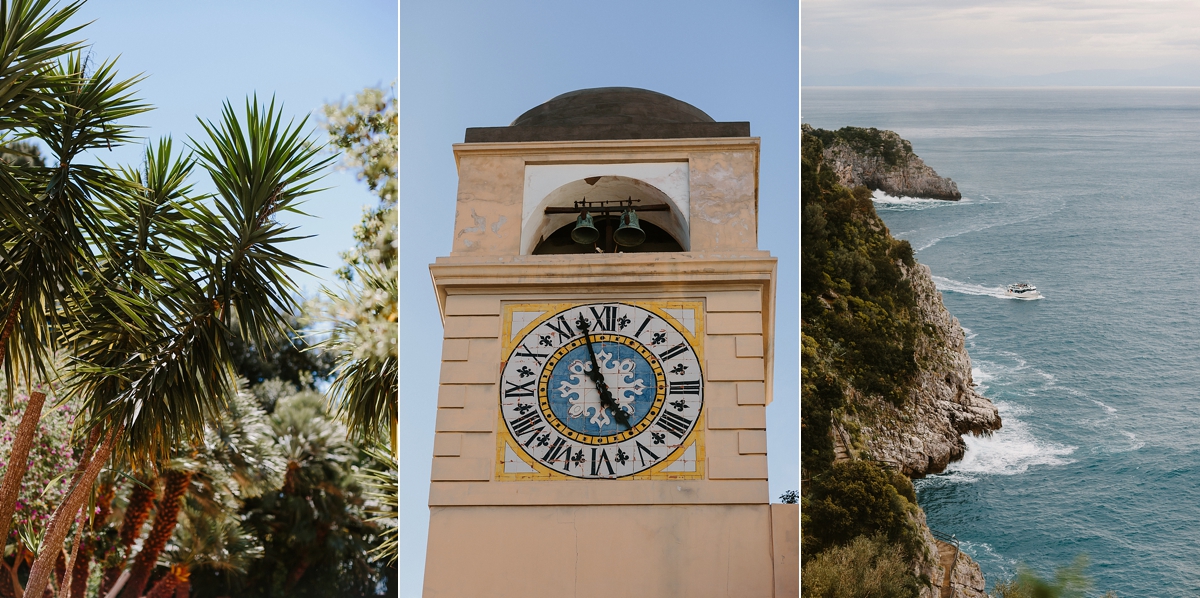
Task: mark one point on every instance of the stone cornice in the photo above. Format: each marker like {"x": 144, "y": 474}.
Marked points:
{"x": 620, "y": 272}
{"x": 550, "y": 152}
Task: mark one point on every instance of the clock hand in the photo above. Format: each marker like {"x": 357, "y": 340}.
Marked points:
{"x": 606, "y": 398}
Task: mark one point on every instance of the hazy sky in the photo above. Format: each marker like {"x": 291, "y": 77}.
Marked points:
{"x": 994, "y": 37}
{"x": 196, "y": 55}
{"x": 482, "y": 63}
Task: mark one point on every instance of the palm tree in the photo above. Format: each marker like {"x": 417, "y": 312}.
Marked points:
{"x": 153, "y": 362}
{"x": 49, "y": 228}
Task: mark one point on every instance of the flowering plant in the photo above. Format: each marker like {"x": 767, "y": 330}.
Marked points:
{"x": 51, "y": 460}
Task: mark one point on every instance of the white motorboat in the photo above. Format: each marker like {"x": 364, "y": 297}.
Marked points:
{"x": 1023, "y": 290}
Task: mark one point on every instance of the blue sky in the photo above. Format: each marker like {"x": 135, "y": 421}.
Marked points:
{"x": 467, "y": 64}
{"x": 195, "y": 55}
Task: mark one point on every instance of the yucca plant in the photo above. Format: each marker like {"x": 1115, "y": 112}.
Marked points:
{"x": 153, "y": 363}
{"x": 51, "y": 231}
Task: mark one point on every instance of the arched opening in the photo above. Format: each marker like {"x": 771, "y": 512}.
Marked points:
{"x": 665, "y": 225}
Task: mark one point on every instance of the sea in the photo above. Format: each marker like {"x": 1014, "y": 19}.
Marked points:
{"x": 1093, "y": 196}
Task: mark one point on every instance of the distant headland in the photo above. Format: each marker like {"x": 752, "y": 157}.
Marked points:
{"x": 881, "y": 160}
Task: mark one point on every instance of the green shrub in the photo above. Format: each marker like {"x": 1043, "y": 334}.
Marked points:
{"x": 859, "y": 498}
{"x": 864, "y": 568}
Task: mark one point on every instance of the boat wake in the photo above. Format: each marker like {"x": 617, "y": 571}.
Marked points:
{"x": 965, "y": 288}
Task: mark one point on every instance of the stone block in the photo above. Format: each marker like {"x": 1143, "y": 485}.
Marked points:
{"x": 465, "y": 420}
{"x": 456, "y": 349}
{"x": 752, "y": 442}
{"x": 472, "y": 327}
{"x": 447, "y": 444}
{"x": 459, "y": 469}
{"x": 472, "y": 305}
{"x": 737, "y": 418}
{"x": 735, "y": 369}
{"x": 751, "y": 393}
{"x": 750, "y": 346}
{"x": 470, "y": 372}
{"x": 745, "y": 467}
{"x": 737, "y": 322}
{"x": 735, "y": 301}
{"x": 452, "y": 396}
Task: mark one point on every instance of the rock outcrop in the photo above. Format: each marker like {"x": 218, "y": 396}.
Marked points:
{"x": 926, "y": 434}
{"x": 881, "y": 160}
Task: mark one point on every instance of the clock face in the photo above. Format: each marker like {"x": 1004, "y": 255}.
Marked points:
{"x": 551, "y": 401}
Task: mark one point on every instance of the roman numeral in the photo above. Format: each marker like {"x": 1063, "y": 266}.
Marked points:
{"x": 596, "y": 462}
{"x": 606, "y": 320}
{"x": 675, "y": 424}
{"x": 643, "y": 451}
{"x": 642, "y": 327}
{"x": 519, "y": 390}
{"x": 526, "y": 422}
{"x": 673, "y": 351}
{"x": 565, "y": 333}
{"x": 537, "y": 357}
{"x": 686, "y": 387}
{"x": 556, "y": 449}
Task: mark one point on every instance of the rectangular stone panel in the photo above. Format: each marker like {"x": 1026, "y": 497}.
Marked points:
{"x": 470, "y": 372}
{"x": 465, "y": 420}
{"x": 746, "y": 467}
{"x": 473, "y": 327}
{"x": 459, "y": 469}
{"x": 447, "y": 444}
{"x": 737, "y": 418}
{"x": 472, "y": 305}
{"x": 481, "y": 396}
{"x": 452, "y": 396}
{"x": 455, "y": 349}
{"x": 720, "y": 394}
{"x": 738, "y": 322}
{"x": 751, "y": 393}
{"x": 752, "y": 442}
{"x": 750, "y": 346}
{"x": 735, "y": 301}
{"x": 735, "y": 369}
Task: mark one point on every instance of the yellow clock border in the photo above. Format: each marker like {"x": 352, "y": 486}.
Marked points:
{"x": 655, "y": 472}
{"x": 509, "y": 344}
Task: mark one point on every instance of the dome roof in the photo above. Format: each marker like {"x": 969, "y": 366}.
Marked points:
{"x": 612, "y": 106}
{"x": 609, "y": 113}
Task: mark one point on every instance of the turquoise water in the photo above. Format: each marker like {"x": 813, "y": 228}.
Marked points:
{"x": 1091, "y": 195}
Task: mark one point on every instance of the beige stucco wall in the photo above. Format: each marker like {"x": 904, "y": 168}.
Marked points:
{"x": 600, "y": 551}
{"x": 785, "y": 549}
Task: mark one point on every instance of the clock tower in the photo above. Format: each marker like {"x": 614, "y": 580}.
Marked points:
{"x": 607, "y": 360}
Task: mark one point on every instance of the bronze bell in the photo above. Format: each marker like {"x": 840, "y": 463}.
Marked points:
{"x": 629, "y": 234}
{"x": 585, "y": 232}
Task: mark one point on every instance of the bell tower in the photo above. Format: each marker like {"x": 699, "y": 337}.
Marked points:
{"x": 607, "y": 356}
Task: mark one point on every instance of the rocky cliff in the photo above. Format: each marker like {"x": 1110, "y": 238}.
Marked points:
{"x": 881, "y": 160}
{"x": 924, "y": 435}
{"x": 885, "y": 376}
